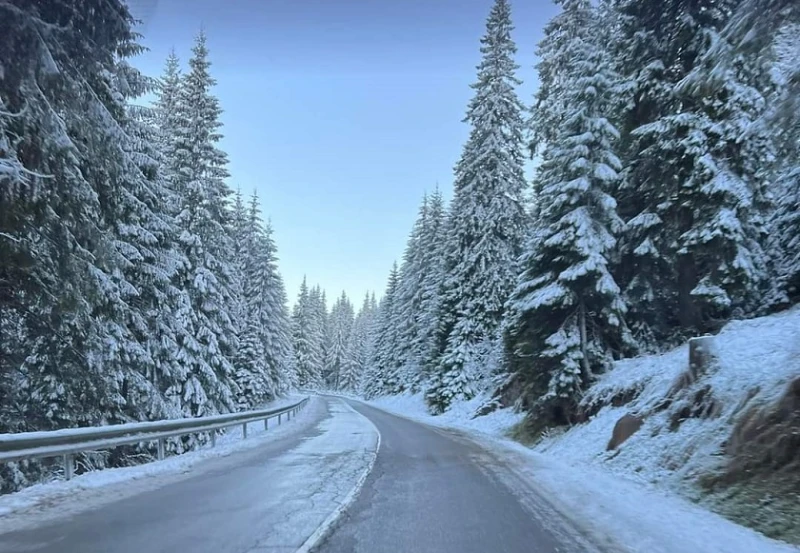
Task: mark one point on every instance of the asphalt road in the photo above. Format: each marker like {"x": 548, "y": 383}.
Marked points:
{"x": 268, "y": 499}
{"x": 432, "y": 491}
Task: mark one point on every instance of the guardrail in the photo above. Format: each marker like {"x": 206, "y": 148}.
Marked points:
{"x": 66, "y": 443}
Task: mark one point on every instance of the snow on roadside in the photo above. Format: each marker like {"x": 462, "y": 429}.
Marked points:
{"x": 636, "y": 517}
{"x": 48, "y": 493}
{"x": 459, "y": 416}
{"x": 758, "y": 356}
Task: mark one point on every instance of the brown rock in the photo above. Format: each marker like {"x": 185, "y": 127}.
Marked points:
{"x": 624, "y": 429}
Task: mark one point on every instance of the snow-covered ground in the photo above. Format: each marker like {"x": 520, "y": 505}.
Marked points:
{"x": 620, "y": 513}
{"x": 90, "y": 485}
{"x": 632, "y": 497}
{"x": 758, "y": 357}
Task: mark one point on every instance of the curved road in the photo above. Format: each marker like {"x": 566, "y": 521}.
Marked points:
{"x": 429, "y": 491}
{"x": 433, "y": 491}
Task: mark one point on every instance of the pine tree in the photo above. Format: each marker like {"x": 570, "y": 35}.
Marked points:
{"x": 409, "y": 296}
{"x": 263, "y": 362}
{"x": 69, "y": 167}
{"x": 307, "y": 338}
{"x": 358, "y": 344}
{"x": 199, "y": 170}
{"x": 381, "y": 377}
{"x": 341, "y": 325}
{"x": 693, "y": 202}
{"x": 432, "y": 240}
{"x": 167, "y": 114}
{"x": 145, "y": 224}
{"x": 487, "y": 220}
{"x": 566, "y": 316}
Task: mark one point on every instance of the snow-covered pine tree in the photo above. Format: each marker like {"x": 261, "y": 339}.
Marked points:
{"x": 282, "y": 334}
{"x": 322, "y": 333}
{"x": 381, "y": 375}
{"x": 69, "y": 168}
{"x": 785, "y": 239}
{"x": 144, "y": 223}
{"x": 487, "y": 220}
{"x": 357, "y": 351}
{"x": 307, "y": 338}
{"x": 167, "y": 114}
{"x": 409, "y": 294}
{"x": 341, "y": 325}
{"x": 566, "y": 316}
{"x": 277, "y": 329}
{"x": 692, "y": 198}
{"x": 424, "y": 345}
{"x": 199, "y": 171}
{"x": 263, "y": 363}
{"x": 760, "y": 44}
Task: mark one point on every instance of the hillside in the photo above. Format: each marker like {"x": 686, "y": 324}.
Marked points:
{"x": 730, "y": 439}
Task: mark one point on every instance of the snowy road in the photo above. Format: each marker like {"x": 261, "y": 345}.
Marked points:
{"x": 433, "y": 491}
{"x": 270, "y": 499}
{"x": 430, "y": 490}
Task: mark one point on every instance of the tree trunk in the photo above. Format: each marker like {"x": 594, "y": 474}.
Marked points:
{"x": 585, "y": 368}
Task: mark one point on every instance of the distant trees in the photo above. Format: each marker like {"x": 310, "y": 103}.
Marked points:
{"x": 486, "y": 222}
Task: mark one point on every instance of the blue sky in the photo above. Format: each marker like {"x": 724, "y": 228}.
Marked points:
{"x": 341, "y": 114}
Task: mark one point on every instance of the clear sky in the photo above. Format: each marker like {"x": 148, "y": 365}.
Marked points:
{"x": 340, "y": 113}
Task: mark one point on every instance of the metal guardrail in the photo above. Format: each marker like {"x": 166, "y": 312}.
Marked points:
{"x": 68, "y": 442}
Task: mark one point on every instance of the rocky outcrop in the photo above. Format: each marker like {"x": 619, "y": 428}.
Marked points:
{"x": 624, "y": 429}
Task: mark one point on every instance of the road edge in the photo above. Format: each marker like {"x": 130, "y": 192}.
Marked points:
{"x": 317, "y": 537}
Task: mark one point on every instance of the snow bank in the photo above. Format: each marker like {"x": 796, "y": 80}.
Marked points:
{"x": 458, "y": 416}
{"x": 625, "y": 516}
{"x": 628, "y": 496}
{"x": 616, "y": 513}
{"x": 757, "y": 360}
{"x": 47, "y": 494}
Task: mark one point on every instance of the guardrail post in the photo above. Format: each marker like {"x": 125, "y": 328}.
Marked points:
{"x": 69, "y": 466}
{"x": 244, "y": 431}
{"x": 162, "y": 445}
{"x": 213, "y": 438}
{"x": 279, "y": 419}
{"x": 266, "y": 424}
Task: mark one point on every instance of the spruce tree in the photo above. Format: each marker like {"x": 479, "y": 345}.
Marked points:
{"x": 199, "y": 170}
{"x": 357, "y": 351}
{"x": 307, "y": 337}
{"x": 341, "y": 325}
{"x": 487, "y": 220}
{"x": 409, "y": 296}
{"x": 70, "y": 168}
{"x": 692, "y": 197}
{"x": 382, "y": 377}
{"x": 566, "y": 316}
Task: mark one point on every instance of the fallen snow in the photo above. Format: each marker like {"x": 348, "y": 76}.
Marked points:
{"x": 760, "y": 354}
{"x": 624, "y": 516}
{"x": 630, "y": 497}
{"x": 458, "y": 416}
{"x": 49, "y": 493}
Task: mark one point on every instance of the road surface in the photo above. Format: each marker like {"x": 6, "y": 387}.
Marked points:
{"x": 429, "y": 491}
{"x": 269, "y": 499}
{"x": 432, "y": 491}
